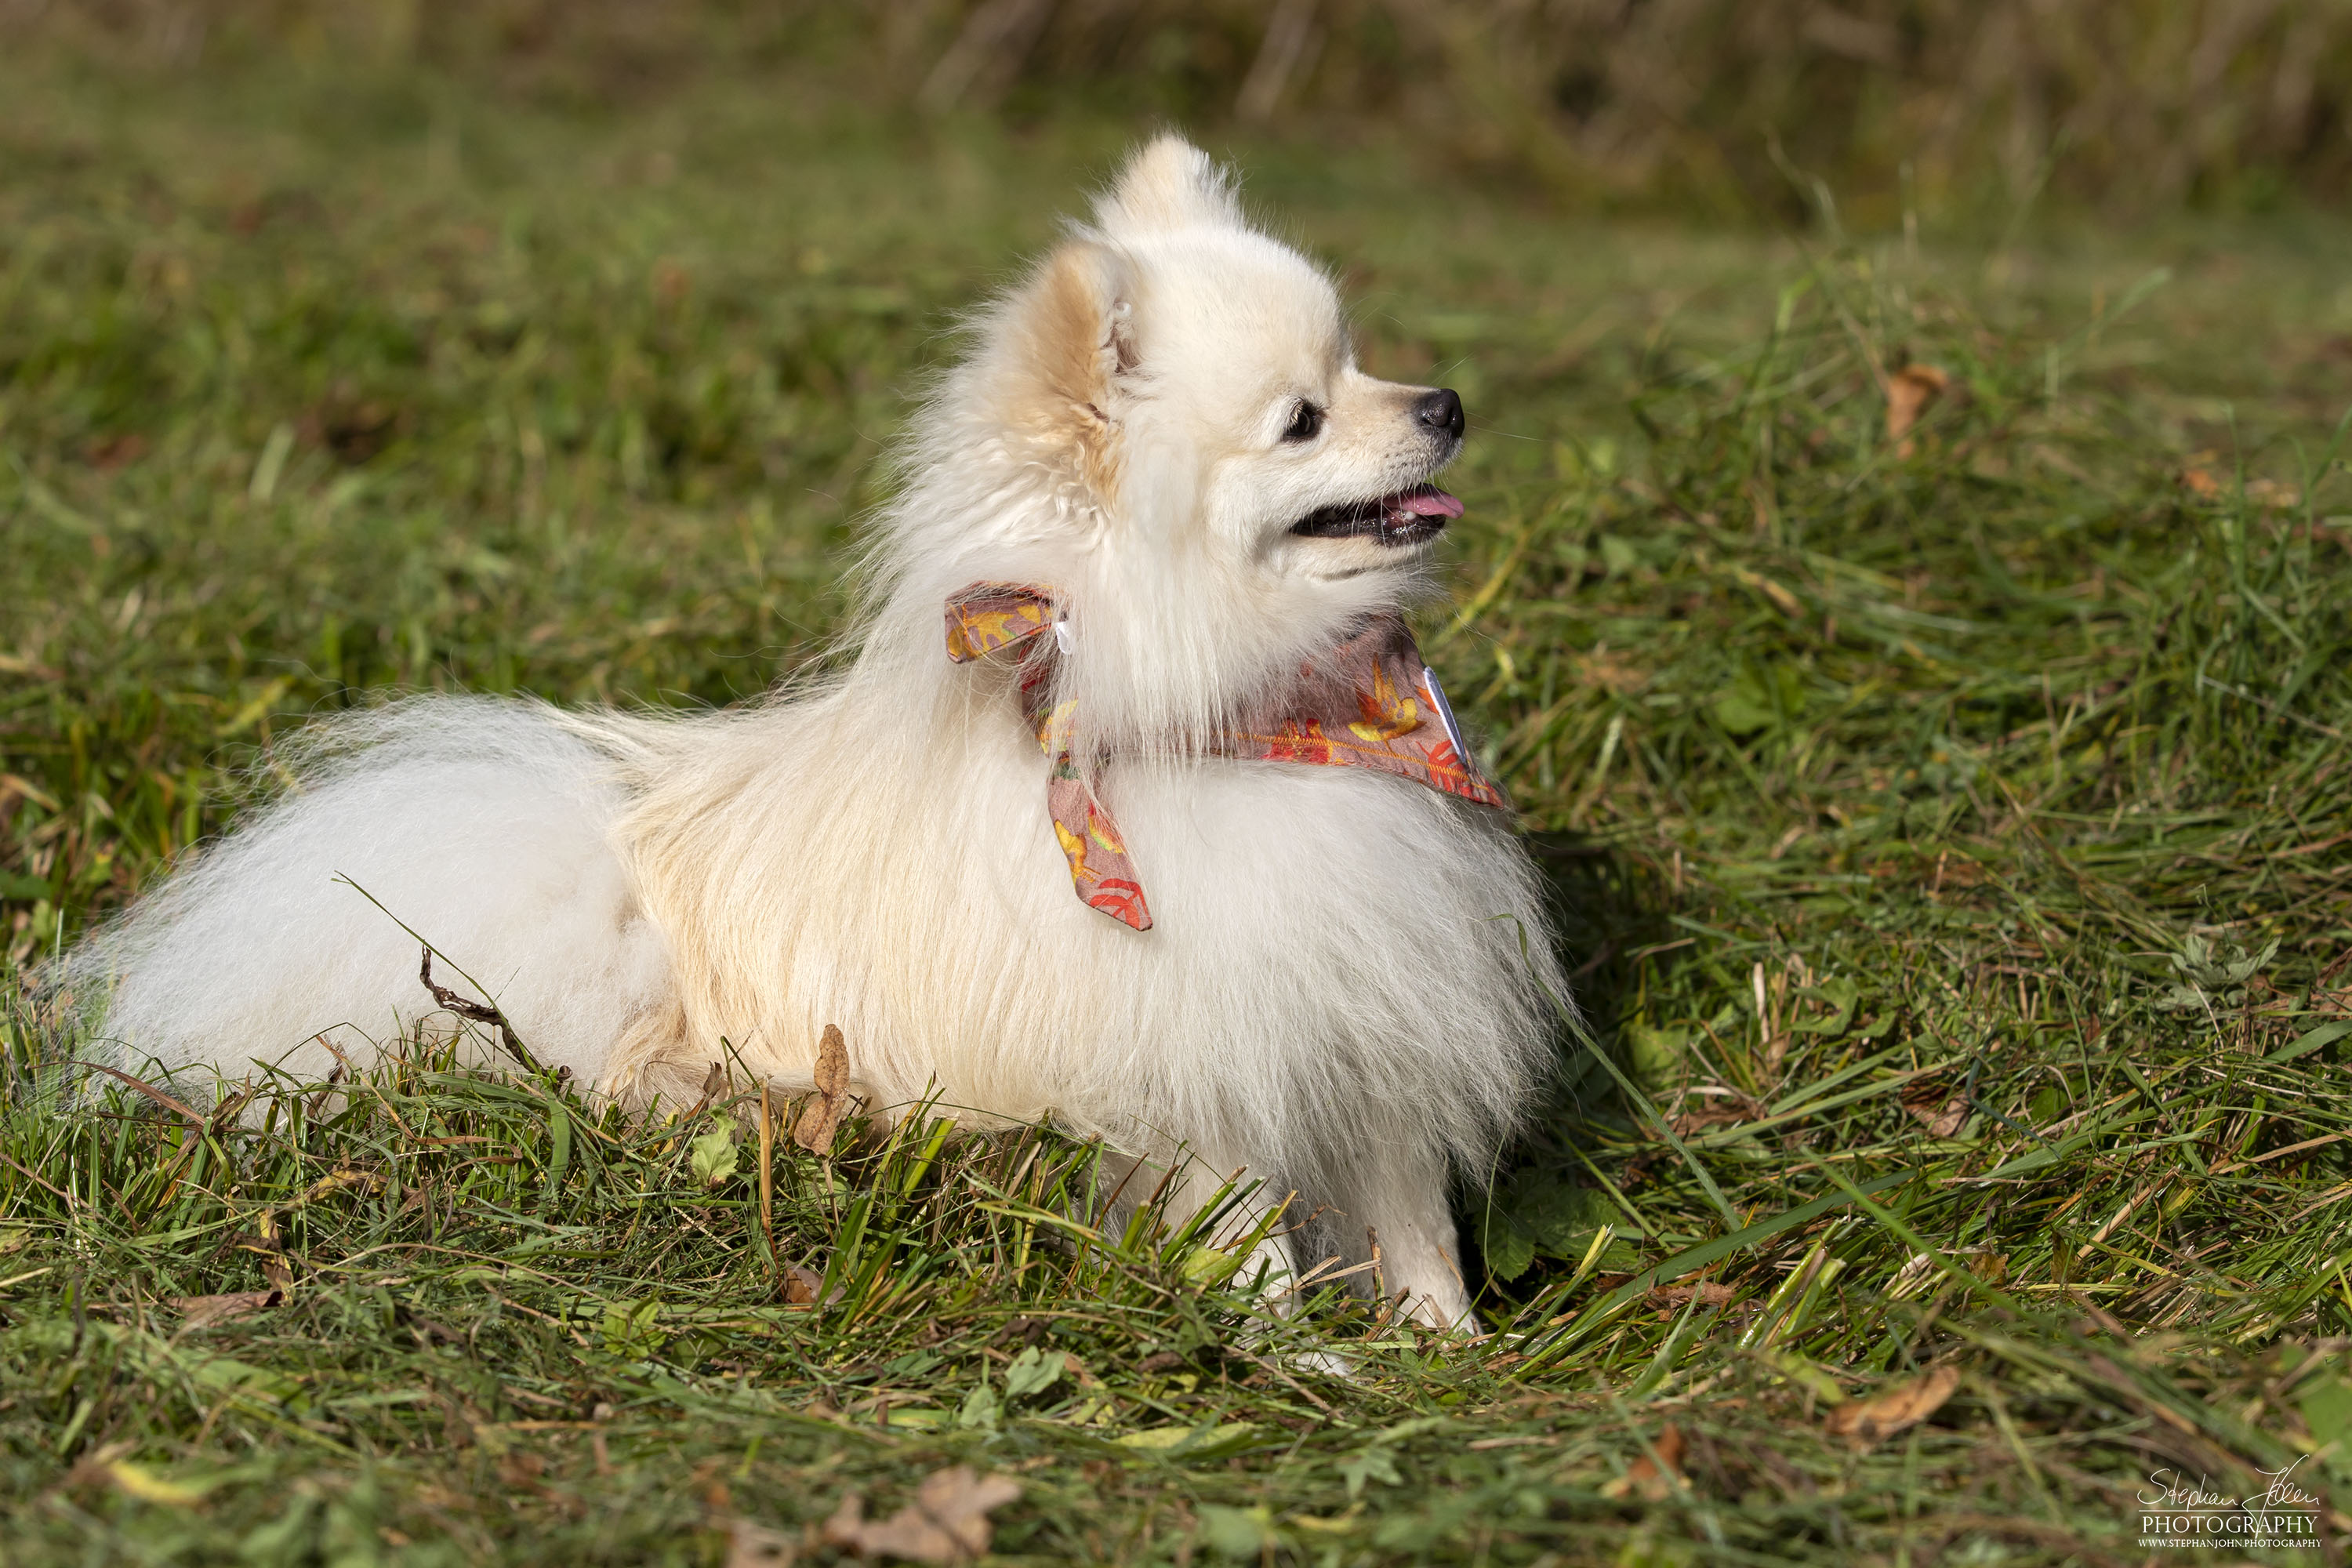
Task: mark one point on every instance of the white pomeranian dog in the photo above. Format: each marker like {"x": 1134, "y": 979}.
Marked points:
{"x": 1135, "y": 811}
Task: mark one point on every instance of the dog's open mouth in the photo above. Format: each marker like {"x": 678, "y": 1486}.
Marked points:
{"x": 1407, "y": 517}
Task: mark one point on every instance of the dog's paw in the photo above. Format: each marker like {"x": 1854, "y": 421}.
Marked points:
{"x": 1331, "y": 1363}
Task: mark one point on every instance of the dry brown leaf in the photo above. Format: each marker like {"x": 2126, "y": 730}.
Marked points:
{"x": 833, "y": 1064}
{"x": 520, "y": 1468}
{"x": 1909, "y": 390}
{"x": 461, "y": 1423}
{"x": 1690, "y": 1123}
{"x": 1610, "y": 671}
{"x": 822, "y": 1115}
{"x": 202, "y": 1312}
{"x": 802, "y": 1284}
{"x": 1941, "y": 1113}
{"x": 2199, "y": 482}
{"x": 1897, "y": 1410}
{"x": 1643, "y": 1479}
{"x": 150, "y": 1091}
{"x": 335, "y": 1181}
{"x": 751, "y": 1545}
{"x": 273, "y": 1253}
{"x": 116, "y": 450}
{"x": 947, "y": 1522}
{"x": 2340, "y": 966}
{"x": 1709, "y": 1294}
{"x": 1956, "y": 872}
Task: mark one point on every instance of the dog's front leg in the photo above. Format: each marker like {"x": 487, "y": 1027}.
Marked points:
{"x": 1399, "y": 1207}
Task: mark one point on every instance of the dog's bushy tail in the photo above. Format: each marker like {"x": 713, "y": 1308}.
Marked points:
{"x": 479, "y": 823}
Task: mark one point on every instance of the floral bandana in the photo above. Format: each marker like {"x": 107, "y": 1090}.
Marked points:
{"x": 1367, "y": 704}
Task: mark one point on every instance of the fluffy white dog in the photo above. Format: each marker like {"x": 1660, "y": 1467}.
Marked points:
{"x": 1160, "y": 521}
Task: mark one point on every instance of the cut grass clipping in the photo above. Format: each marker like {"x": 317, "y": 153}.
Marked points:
{"x": 1942, "y": 763}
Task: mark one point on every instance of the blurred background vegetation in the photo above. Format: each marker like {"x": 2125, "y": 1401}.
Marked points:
{"x": 1958, "y": 107}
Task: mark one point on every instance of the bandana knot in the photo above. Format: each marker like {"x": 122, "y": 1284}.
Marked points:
{"x": 1369, "y": 702}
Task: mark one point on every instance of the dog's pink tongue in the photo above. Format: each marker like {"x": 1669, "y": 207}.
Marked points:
{"x": 1429, "y": 501}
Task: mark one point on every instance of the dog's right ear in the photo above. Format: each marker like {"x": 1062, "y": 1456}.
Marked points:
{"x": 1171, "y": 185}
{"x": 1075, "y": 341}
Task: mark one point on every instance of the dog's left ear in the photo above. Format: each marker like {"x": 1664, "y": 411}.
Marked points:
{"x": 1074, "y": 336}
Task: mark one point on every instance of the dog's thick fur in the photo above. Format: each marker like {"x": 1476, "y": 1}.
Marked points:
{"x": 1343, "y": 989}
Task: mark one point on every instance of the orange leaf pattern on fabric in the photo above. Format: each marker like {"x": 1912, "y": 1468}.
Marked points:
{"x": 1386, "y": 715}
{"x": 1122, "y": 900}
{"x": 1363, "y": 705}
{"x": 1074, "y": 849}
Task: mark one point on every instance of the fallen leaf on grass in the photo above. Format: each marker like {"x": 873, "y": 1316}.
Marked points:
{"x": 751, "y": 1545}
{"x": 1897, "y": 1410}
{"x": 1033, "y": 1371}
{"x": 148, "y": 1487}
{"x": 519, "y": 1468}
{"x": 1941, "y": 1112}
{"x": 801, "y": 1286}
{"x": 1334, "y": 1524}
{"x": 947, "y": 1522}
{"x": 107, "y": 1465}
{"x": 354, "y": 430}
{"x": 714, "y": 1157}
{"x": 336, "y": 1180}
{"x": 713, "y": 1082}
{"x": 814, "y": 1132}
{"x": 1820, "y": 1385}
{"x": 1643, "y": 1479}
{"x": 1211, "y": 1440}
{"x": 1690, "y": 1123}
{"x": 202, "y": 1312}
{"x": 1909, "y": 390}
{"x": 1708, "y": 1292}
{"x": 272, "y": 1251}
{"x": 114, "y": 451}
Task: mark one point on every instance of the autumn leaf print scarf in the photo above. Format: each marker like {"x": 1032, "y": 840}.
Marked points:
{"x": 1370, "y": 703}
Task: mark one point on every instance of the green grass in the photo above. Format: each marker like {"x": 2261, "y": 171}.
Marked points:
{"x": 1952, "y": 840}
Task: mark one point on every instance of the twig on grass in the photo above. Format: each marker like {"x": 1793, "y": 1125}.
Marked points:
{"x": 465, "y": 1008}
{"x": 479, "y": 1012}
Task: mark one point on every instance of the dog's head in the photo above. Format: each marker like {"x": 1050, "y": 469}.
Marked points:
{"x": 1173, "y": 352}
{"x": 1167, "y": 422}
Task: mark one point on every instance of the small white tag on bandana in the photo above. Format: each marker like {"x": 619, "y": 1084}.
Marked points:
{"x": 1445, "y": 712}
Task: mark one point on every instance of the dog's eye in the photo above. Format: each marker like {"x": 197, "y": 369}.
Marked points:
{"x": 1306, "y": 423}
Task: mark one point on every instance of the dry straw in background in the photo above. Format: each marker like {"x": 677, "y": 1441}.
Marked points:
{"x": 2133, "y": 106}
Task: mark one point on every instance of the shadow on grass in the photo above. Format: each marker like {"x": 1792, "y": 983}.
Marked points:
{"x": 1608, "y": 904}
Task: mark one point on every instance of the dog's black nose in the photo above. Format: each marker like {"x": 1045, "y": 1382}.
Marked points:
{"x": 1442, "y": 410}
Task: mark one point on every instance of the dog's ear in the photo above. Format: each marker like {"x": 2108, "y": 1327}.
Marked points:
{"x": 1075, "y": 342}
{"x": 1171, "y": 185}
